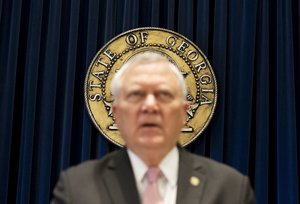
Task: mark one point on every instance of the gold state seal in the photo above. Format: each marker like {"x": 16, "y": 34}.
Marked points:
{"x": 193, "y": 64}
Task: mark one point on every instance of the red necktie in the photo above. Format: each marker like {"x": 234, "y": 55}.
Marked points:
{"x": 151, "y": 194}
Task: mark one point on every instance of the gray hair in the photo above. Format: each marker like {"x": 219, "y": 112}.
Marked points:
{"x": 146, "y": 57}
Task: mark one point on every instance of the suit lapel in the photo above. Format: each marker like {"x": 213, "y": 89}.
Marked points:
{"x": 120, "y": 180}
{"x": 191, "y": 179}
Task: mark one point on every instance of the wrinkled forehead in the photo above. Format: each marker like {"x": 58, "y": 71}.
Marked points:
{"x": 151, "y": 73}
{"x": 158, "y": 72}
{"x": 152, "y": 68}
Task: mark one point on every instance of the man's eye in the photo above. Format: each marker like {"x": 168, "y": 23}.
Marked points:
{"x": 164, "y": 96}
{"x": 134, "y": 96}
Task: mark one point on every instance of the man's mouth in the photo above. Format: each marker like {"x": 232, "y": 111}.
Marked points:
{"x": 149, "y": 125}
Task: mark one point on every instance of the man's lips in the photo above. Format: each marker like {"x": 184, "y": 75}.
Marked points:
{"x": 149, "y": 125}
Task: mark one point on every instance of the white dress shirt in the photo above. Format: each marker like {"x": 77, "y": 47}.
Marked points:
{"x": 167, "y": 184}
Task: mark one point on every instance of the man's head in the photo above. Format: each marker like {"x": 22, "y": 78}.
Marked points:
{"x": 150, "y": 106}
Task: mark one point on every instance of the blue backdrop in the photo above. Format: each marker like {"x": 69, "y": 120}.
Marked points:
{"x": 46, "y": 48}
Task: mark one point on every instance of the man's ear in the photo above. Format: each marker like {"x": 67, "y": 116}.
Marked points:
{"x": 114, "y": 109}
{"x": 186, "y": 105}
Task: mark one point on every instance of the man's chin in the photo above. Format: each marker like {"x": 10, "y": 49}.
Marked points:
{"x": 150, "y": 141}
{"x": 150, "y": 131}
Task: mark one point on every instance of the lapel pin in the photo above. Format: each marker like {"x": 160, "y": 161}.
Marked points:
{"x": 195, "y": 181}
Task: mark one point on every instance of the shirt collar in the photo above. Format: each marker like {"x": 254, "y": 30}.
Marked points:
{"x": 168, "y": 166}
{"x": 138, "y": 166}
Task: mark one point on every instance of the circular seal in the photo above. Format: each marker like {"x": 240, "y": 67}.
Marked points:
{"x": 193, "y": 64}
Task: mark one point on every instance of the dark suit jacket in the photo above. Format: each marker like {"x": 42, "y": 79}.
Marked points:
{"x": 111, "y": 180}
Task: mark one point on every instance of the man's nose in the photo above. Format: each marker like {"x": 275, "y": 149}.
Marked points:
{"x": 150, "y": 104}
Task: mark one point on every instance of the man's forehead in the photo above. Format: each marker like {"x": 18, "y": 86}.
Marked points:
{"x": 153, "y": 68}
{"x": 140, "y": 84}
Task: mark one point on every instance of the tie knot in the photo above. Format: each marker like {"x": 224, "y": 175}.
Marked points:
{"x": 153, "y": 174}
